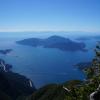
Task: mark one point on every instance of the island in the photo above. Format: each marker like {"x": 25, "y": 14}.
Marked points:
{"x": 58, "y": 42}
{"x": 6, "y": 51}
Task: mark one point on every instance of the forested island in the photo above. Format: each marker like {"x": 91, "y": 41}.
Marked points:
{"x": 58, "y": 42}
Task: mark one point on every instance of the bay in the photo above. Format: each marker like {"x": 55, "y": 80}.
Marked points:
{"x": 44, "y": 65}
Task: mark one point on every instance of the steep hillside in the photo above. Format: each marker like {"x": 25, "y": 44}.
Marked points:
{"x": 13, "y": 85}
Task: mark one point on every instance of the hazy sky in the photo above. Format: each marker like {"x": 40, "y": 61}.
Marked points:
{"x": 50, "y": 15}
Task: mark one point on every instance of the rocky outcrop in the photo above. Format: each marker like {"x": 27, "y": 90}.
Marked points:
{"x": 96, "y": 94}
{"x": 4, "y": 67}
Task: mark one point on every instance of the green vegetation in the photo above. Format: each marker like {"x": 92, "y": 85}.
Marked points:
{"x": 79, "y": 90}
{"x": 92, "y": 82}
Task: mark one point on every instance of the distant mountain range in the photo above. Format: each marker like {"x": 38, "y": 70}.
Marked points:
{"x": 84, "y": 38}
{"x": 58, "y": 42}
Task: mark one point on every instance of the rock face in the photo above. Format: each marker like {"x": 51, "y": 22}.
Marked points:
{"x": 4, "y": 67}
{"x": 13, "y": 85}
{"x": 54, "y": 42}
{"x": 95, "y": 95}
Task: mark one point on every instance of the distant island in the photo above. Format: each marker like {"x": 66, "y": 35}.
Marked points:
{"x": 58, "y": 42}
{"x": 6, "y": 51}
{"x": 85, "y": 38}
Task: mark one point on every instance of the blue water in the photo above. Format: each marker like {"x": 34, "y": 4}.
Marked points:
{"x": 44, "y": 65}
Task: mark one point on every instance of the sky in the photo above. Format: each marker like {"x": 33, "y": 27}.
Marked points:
{"x": 49, "y": 15}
